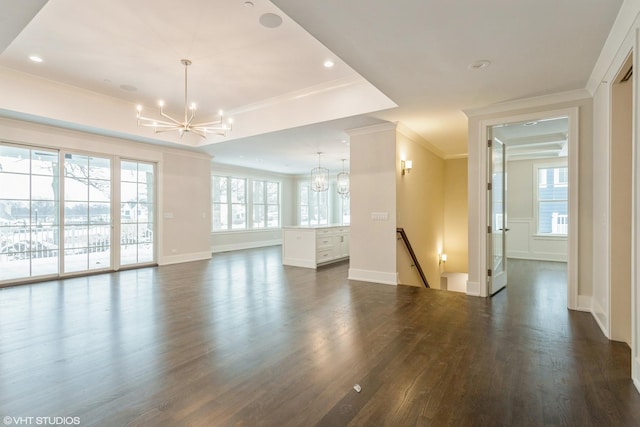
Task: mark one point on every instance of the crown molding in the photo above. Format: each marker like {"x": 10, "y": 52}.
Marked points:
{"x": 534, "y": 102}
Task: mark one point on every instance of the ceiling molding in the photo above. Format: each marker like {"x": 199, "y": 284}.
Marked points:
{"x": 457, "y": 156}
{"x": 302, "y": 93}
{"x": 409, "y": 133}
{"x": 367, "y": 130}
{"x": 534, "y": 102}
{"x": 618, "y": 43}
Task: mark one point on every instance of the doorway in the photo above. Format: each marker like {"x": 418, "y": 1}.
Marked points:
{"x": 531, "y": 156}
{"x": 621, "y": 202}
{"x": 570, "y": 149}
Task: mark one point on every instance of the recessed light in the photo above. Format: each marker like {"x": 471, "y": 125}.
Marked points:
{"x": 530, "y": 123}
{"x": 248, "y": 4}
{"x": 270, "y": 20}
{"x": 483, "y": 63}
{"x": 35, "y": 58}
{"x": 329, "y": 63}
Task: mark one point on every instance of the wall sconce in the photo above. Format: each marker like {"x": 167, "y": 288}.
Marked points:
{"x": 442, "y": 258}
{"x": 406, "y": 166}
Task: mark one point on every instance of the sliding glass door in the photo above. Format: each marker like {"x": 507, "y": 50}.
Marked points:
{"x": 58, "y": 210}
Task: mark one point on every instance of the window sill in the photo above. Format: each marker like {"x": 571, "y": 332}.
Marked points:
{"x": 247, "y": 230}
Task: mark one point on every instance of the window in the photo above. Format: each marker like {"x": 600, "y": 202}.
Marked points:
{"x": 266, "y": 204}
{"x": 314, "y": 205}
{"x": 346, "y": 209}
{"x": 553, "y": 200}
{"x": 229, "y": 199}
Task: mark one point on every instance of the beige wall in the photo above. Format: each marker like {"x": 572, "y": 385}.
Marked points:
{"x": 621, "y": 178}
{"x": 456, "y": 215}
{"x": 420, "y": 208}
{"x": 186, "y": 204}
{"x": 373, "y": 190}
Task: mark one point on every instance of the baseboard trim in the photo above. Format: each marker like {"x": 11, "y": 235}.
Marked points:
{"x": 635, "y": 371}
{"x": 584, "y": 303}
{"x": 240, "y": 246}
{"x": 299, "y": 262}
{"x": 540, "y": 256}
{"x": 178, "y": 259}
{"x": 600, "y": 316}
{"x": 373, "y": 276}
{"x": 473, "y": 289}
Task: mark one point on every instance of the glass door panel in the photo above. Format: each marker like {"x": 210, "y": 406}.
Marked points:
{"x": 87, "y": 213}
{"x": 29, "y": 216}
{"x": 497, "y": 274}
{"x": 137, "y": 213}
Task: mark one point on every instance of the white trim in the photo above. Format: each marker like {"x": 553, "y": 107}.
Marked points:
{"x": 538, "y": 256}
{"x": 618, "y": 37}
{"x": 368, "y": 130}
{"x": 535, "y": 102}
{"x": 600, "y": 316}
{"x": 242, "y": 246}
{"x": 457, "y": 156}
{"x": 473, "y": 289}
{"x": 572, "y": 114}
{"x": 409, "y": 133}
{"x": 373, "y": 276}
{"x": 635, "y": 219}
{"x": 177, "y": 259}
{"x": 300, "y": 262}
{"x": 584, "y": 303}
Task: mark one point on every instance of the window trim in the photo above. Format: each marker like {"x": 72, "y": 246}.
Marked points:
{"x": 248, "y": 205}
{"x": 556, "y": 183}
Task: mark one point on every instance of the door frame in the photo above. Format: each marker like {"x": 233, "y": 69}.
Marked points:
{"x": 496, "y": 281}
{"x": 480, "y": 187}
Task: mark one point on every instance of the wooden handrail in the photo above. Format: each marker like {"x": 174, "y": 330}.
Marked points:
{"x": 405, "y": 239}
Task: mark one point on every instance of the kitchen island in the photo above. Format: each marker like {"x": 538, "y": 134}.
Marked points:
{"x": 313, "y": 246}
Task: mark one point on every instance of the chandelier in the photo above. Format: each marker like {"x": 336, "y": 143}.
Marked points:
{"x": 343, "y": 182}
{"x": 216, "y": 127}
{"x": 319, "y": 177}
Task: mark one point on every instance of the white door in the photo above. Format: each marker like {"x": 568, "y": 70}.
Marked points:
{"x": 496, "y": 198}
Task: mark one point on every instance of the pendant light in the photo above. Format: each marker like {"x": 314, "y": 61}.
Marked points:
{"x": 343, "y": 181}
{"x": 319, "y": 177}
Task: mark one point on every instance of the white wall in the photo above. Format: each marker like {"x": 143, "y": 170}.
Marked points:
{"x": 222, "y": 241}
{"x": 523, "y": 242}
{"x": 373, "y": 190}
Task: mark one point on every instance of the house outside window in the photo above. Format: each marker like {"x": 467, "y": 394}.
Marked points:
{"x": 552, "y": 200}
{"x": 266, "y": 204}
{"x": 243, "y": 203}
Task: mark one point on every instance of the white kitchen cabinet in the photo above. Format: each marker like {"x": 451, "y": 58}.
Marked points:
{"x": 314, "y": 246}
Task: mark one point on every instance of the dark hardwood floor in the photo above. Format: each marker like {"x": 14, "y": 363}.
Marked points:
{"x": 243, "y": 341}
